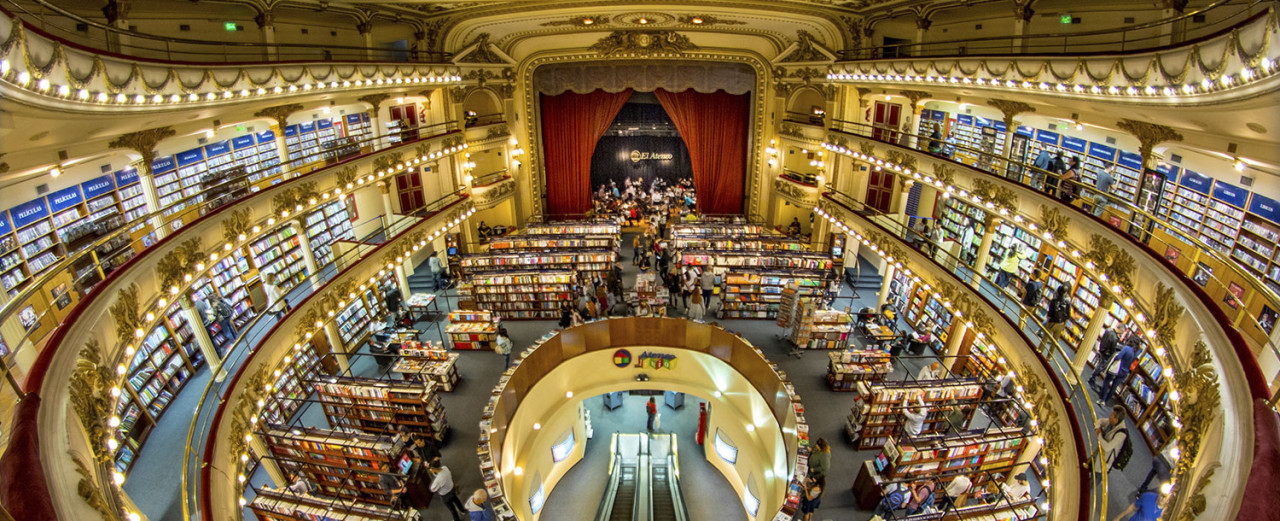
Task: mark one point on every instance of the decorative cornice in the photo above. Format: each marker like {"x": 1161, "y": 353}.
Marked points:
{"x": 1046, "y": 416}
{"x": 374, "y": 100}
{"x": 791, "y": 129}
{"x": 1197, "y": 412}
{"x": 580, "y": 21}
{"x": 798, "y": 195}
{"x": 288, "y": 201}
{"x": 489, "y": 196}
{"x": 347, "y": 176}
{"x": 88, "y": 490}
{"x": 280, "y": 113}
{"x": 1010, "y": 109}
{"x": 144, "y": 143}
{"x": 1149, "y": 135}
{"x": 706, "y": 20}
{"x": 807, "y": 49}
{"x": 481, "y": 52}
{"x": 915, "y": 96}
{"x": 643, "y": 43}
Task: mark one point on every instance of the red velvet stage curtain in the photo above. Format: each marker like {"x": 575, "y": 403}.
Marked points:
{"x": 714, "y": 127}
{"x": 571, "y": 125}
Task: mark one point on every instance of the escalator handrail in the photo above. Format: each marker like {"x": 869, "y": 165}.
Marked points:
{"x": 606, "y": 500}
{"x": 673, "y": 482}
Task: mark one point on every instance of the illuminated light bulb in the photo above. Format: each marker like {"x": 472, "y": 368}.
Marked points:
{"x": 568, "y": 394}
{"x": 717, "y": 394}
{"x": 1166, "y": 488}
{"x": 519, "y": 471}
{"x": 113, "y": 422}
{"x": 117, "y": 478}
{"x": 102, "y": 97}
{"x": 112, "y": 444}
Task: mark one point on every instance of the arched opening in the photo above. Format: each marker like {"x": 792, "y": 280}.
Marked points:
{"x": 807, "y": 107}
{"x": 481, "y": 107}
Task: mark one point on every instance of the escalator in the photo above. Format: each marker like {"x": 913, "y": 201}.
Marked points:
{"x": 643, "y": 480}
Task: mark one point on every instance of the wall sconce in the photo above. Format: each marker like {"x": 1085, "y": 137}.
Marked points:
{"x": 771, "y": 151}
{"x": 1239, "y": 165}
{"x": 467, "y": 178}
{"x": 773, "y": 161}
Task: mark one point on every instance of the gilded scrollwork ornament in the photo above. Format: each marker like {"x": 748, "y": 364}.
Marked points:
{"x": 1112, "y": 261}
{"x": 1197, "y": 412}
{"x": 1054, "y": 221}
{"x": 279, "y": 113}
{"x": 1046, "y": 416}
{"x": 143, "y": 142}
{"x": 236, "y": 225}
{"x": 90, "y": 491}
{"x": 1165, "y": 314}
{"x": 89, "y": 388}
{"x": 176, "y": 267}
{"x": 126, "y": 311}
{"x": 1149, "y": 135}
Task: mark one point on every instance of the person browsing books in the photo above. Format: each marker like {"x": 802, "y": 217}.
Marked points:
{"x": 913, "y": 422}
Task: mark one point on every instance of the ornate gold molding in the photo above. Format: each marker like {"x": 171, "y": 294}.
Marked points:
{"x": 1010, "y": 109}
{"x": 237, "y": 224}
{"x": 1166, "y": 313}
{"x": 944, "y": 173}
{"x": 347, "y": 176}
{"x": 489, "y": 196}
{"x": 374, "y": 100}
{"x": 279, "y": 113}
{"x": 798, "y": 195}
{"x": 126, "y": 311}
{"x": 1201, "y": 400}
{"x": 1046, "y": 416}
{"x": 89, "y": 385}
{"x": 481, "y": 51}
{"x": 580, "y": 21}
{"x": 1112, "y": 261}
{"x": 289, "y": 199}
{"x": 790, "y": 130}
{"x": 497, "y": 131}
{"x": 174, "y": 268}
{"x": 1054, "y": 221}
{"x": 144, "y": 143}
{"x": 643, "y": 43}
{"x": 88, "y": 490}
{"x": 1149, "y": 135}
{"x": 915, "y": 96}
{"x": 808, "y": 49}
{"x": 901, "y": 158}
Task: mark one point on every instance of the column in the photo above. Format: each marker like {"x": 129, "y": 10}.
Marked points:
{"x": 269, "y": 464}
{"x": 1022, "y": 13}
{"x": 1024, "y": 460}
{"x": 922, "y": 25}
{"x": 366, "y": 32}
{"x": 202, "y": 335}
{"x": 984, "y": 250}
{"x": 308, "y": 255}
{"x": 1092, "y": 331}
{"x": 378, "y": 129}
{"x": 387, "y": 213}
{"x": 913, "y": 141}
{"x": 401, "y": 279}
{"x": 282, "y": 150}
{"x": 959, "y": 327}
{"x": 266, "y": 25}
{"x": 419, "y": 40}
{"x": 148, "y": 184}
{"x": 336, "y": 347}
{"x": 902, "y": 201}
{"x": 117, "y": 13}
{"x": 883, "y": 297}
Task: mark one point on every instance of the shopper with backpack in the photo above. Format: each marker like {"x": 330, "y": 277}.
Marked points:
{"x": 1112, "y": 436}
{"x": 1032, "y": 291}
{"x": 893, "y": 498}
{"x": 921, "y": 497}
{"x": 1108, "y": 344}
{"x": 1059, "y": 316}
{"x": 222, "y": 314}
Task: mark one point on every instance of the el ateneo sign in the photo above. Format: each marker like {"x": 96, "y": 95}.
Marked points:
{"x": 638, "y": 156}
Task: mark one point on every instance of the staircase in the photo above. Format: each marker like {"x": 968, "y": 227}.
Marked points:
{"x": 864, "y": 279}
{"x": 422, "y": 280}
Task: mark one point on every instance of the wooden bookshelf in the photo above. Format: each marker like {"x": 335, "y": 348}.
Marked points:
{"x": 370, "y": 405}
{"x": 849, "y": 367}
{"x": 575, "y": 228}
{"x": 730, "y": 259}
{"x": 276, "y": 505}
{"x": 749, "y": 293}
{"x": 289, "y": 390}
{"x": 731, "y": 242}
{"x": 976, "y": 454}
{"x": 585, "y": 261}
{"x": 822, "y": 329}
{"x": 472, "y": 330}
{"x": 518, "y": 295}
{"x": 884, "y": 420}
{"x": 546, "y": 242}
{"x": 342, "y": 464}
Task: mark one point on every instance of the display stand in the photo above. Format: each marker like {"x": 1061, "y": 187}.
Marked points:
{"x": 471, "y": 330}
{"x": 422, "y": 306}
{"x": 428, "y": 362}
{"x": 847, "y": 368}
{"x": 614, "y": 400}
{"x": 822, "y": 328}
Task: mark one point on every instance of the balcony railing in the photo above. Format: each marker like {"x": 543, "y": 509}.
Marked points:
{"x": 1130, "y": 38}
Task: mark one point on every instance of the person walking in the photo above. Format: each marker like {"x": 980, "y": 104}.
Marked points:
{"x": 708, "y": 281}
{"x": 696, "y": 310}
{"x": 1031, "y": 293}
{"x": 1162, "y": 466}
{"x": 688, "y": 284}
{"x": 1059, "y": 315}
{"x": 1009, "y": 266}
{"x": 1117, "y": 372}
{"x": 637, "y": 243}
{"x": 1148, "y": 506}
{"x": 651, "y": 409}
{"x": 476, "y": 507}
{"x": 276, "y": 304}
{"x": 222, "y": 314}
{"x": 1108, "y": 344}
{"x": 1103, "y": 183}
{"x": 503, "y": 346}
{"x": 442, "y": 485}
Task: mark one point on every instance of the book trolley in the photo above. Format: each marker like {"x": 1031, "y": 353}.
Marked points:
{"x": 368, "y": 405}
{"x": 341, "y": 464}
{"x": 275, "y": 505}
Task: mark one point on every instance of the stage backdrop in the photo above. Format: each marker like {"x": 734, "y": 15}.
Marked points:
{"x": 644, "y": 157}
{"x": 571, "y": 126}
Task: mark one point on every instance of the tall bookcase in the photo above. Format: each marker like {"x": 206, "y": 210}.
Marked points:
{"x": 977, "y": 454}
{"x": 884, "y": 419}
{"x": 846, "y": 368}
{"x": 517, "y": 295}
{"x": 748, "y": 293}
{"x": 326, "y": 225}
{"x": 342, "y": 464}
{"x": 157, "y": 371}
{"x": 370, "y": 405}
{"x": 587, "y": 262}
{"x": 280, "y": 252}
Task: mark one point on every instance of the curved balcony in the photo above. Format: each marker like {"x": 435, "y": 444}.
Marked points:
{"x": 1239, "y": 59}
{"x": 111, "y": 317}
{"x": 1184, "y": 327}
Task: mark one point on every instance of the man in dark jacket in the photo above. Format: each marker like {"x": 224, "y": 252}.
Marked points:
{"x": 1107, "y": 345}
{"x": 1117, "y": 371}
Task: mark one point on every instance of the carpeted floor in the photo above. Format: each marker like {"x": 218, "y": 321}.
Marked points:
{"x": 154, "y": 481}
